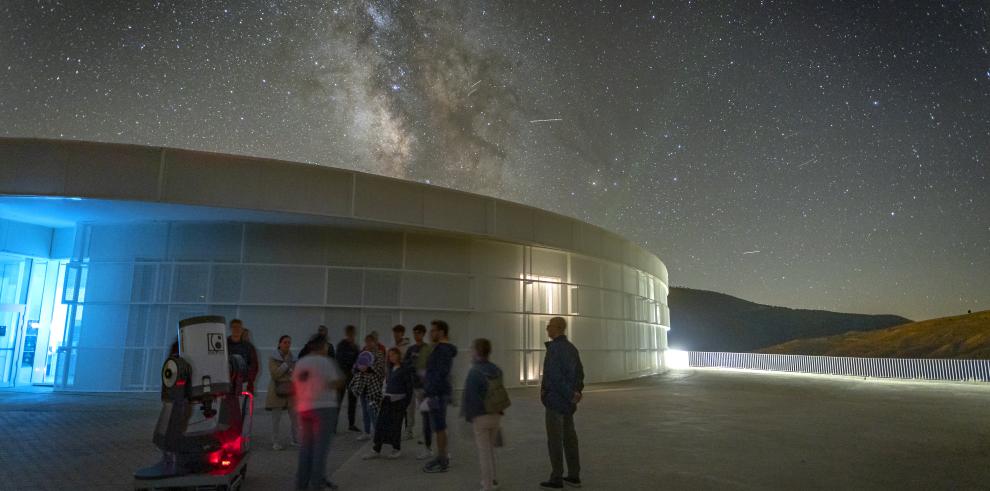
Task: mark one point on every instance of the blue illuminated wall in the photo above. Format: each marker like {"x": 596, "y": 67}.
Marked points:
{"x": 35, "y": 240}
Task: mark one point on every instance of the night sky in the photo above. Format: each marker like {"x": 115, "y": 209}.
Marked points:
{"x": 806, "y": 154}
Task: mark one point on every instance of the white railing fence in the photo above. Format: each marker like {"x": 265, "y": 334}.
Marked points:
{"x": 897, "y": 368}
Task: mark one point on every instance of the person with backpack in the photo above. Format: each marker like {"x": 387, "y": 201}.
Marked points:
{"x": 485, "y": 401}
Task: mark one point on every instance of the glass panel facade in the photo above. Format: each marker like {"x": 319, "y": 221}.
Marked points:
{"x": 124, "y": 305}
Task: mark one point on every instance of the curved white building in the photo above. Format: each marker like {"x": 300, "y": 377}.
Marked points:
{"x": 105, "y": 247}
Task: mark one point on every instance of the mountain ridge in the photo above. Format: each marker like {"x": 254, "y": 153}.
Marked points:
{"x": 703, "y": 320}
{"x": 964, "y": 336}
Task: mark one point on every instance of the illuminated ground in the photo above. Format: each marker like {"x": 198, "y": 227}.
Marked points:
{"x": 686, "y": 430}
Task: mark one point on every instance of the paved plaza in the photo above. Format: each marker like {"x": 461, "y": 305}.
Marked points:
{"x": 702, "y": 429}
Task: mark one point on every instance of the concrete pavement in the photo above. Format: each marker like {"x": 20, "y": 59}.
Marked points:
{"x": 703, "y": 429}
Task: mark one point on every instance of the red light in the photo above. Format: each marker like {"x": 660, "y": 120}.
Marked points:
{"x": 214, "y": 457}
{"x": 232, "y": 446}
{"x": 251, "y": 402}
{"x": 180, "y": 383}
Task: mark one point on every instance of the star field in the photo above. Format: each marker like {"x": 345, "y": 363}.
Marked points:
{"x": 807, "y": 154}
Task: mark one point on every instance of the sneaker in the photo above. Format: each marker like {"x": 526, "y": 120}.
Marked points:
{"x": 277, "y": 446}
{"x": 551, "y": 485}
{"x": 372, "y": 455}
{"x": 364, "y": 437}
{"x": 295, "y": 444}
{"x": 435, "y": 466}
{"x": 354, "y": 429}
{"x": 425, "y": 454}
{"x": 329, "y": 484}
{"x": 394, "y": 454}
{"x": 573, "y": 482}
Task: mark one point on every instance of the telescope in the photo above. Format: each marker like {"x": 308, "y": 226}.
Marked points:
{"x": 204, "y": 426}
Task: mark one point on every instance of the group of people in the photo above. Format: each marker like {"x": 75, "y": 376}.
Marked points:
{"x": 392, "y": 385}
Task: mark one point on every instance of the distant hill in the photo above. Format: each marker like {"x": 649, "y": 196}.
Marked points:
{"x": 961, "y": 336}
{"x": 709, "y": 321}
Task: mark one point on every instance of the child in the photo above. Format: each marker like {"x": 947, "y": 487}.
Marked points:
{"x": 369, "y": 373}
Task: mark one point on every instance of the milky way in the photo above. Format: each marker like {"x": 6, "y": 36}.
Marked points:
{"x": 809, "y": 154}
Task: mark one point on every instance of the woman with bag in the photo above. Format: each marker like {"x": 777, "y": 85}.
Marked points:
{"x": 280, "y": 392}
{"x": 485, "y": 400}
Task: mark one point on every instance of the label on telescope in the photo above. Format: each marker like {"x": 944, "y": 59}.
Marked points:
{"x": 214, "y": 342}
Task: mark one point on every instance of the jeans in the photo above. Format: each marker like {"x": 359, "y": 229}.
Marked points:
{"x": 485, "y": 434}
{"x": 293, "y": 420}
{"x": 368, "y": 416}
{"x": 316, "y": 429}
{"x": 388, "y": 428}
{"x": 410, "y": 417}
{"x": 351, "y": 401}
{"x": 562, "y": 440}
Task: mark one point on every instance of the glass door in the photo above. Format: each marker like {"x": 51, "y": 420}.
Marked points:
{"x": 44, "y": 332}
{"x": 10, "y": 325}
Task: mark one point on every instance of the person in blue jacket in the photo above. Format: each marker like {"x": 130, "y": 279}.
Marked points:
{"x": 560, "y": 392}
{"x": 438, "y": 391}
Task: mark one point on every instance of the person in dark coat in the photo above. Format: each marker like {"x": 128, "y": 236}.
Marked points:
{"x": 347, "y": 353}
{"x": 239, "y": 345}
{"x": 560, "y": 393}
{"x": 325, "y": 333}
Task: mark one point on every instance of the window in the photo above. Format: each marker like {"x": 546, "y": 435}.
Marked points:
{"x": 542, "y": 294}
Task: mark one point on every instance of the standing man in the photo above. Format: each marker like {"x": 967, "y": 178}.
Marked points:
{"x": 438, "y": 391}
{"x": 401, "y": 343}
{"x": 399, "y": 339}
{"x": 416, "y": 356}
{"x": 320, "y": 331}
{"x": 560, "y": 392}
{"x": 316, "y": 380}
{"x": 238, "y": 345}
{"x": 347, "y": 353}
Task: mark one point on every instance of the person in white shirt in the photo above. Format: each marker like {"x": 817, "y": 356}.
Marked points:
{"x": 316, "y": 379}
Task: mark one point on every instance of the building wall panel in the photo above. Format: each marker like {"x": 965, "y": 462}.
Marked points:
{"x": 432, "y": 252}
{"x": 387, "y": 199}
{"x": 450, "y": 210}
{"x": 514, "y": 222}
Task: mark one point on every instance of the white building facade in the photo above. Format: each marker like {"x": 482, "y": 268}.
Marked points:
{"x": 105, "y": 247}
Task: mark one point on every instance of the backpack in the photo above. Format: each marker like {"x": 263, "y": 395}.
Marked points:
{"x": 496, "y": 397}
